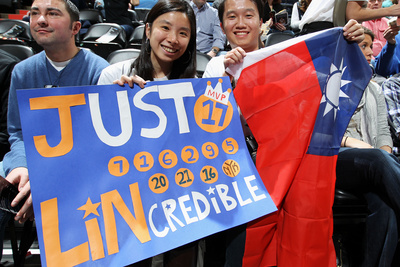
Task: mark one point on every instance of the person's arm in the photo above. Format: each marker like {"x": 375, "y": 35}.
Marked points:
{"x": 384, "y": 61}
{"x": 386, "y": 148}
{"x": 355, "y": 10}
{"x": 348, "y": 141}
{"x": 383, "y": 136}
{"x": 218, "y": 37}
{"x": 295, "y": 18}
{"x": 14, "y": 162}
{"x": 135, "y": 2}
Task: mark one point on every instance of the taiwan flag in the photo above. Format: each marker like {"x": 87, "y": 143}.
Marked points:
{"x": 297, "y": 98}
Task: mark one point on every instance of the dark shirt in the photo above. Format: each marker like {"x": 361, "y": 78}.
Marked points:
{"x": 80, "y": 4}
{"x": 267, "y": 10}
{"x": 7, "y": 63}
{"x": 117, "y": 12}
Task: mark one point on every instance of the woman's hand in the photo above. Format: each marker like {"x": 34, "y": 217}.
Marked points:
{"x": 353, "y": 31}
{"x": 130, "y": 81}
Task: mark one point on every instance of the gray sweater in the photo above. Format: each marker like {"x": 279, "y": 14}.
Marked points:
{"x": 369, "y": 122}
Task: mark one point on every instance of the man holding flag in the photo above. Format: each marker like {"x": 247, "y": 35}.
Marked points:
{"x": 297, "y": 99}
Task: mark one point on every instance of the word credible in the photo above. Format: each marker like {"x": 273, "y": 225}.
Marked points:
{"x": 193, "y": 207}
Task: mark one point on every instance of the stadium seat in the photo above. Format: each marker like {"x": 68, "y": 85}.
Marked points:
{"x": 350, "y": 212}
{"x": 15, "y": 31}
{"x": 135, "y": 19}
{"x": 142, "y": 13}
{"x": 91, "y": 15}
{"x": 104, "y": 38}
{"x": 20, "y": 51}
{"x": 135, "y": 40}
{"x": 277, "y": 37}
{"x": 123, "y": 54}
{"x": 201, "y": 63}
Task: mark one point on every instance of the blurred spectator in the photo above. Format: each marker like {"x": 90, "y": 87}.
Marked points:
{"x": 319, "y": 14}
{"x": 117, "y": 12}
{"x": 377, "y": 26}
{"x": 391, "y": 90}
{"x": 365, "y": 165}
{"x": 271, "y": 8}
{"x": 216, "y": 4}
{"x": 388, "y": 3}
{"x": 99, "y": 5}
{"x": 7, "y": 63}
{"x": 210, "y": 39}
{"x": 387, "y": 62}
{"x": 297, "y": 13}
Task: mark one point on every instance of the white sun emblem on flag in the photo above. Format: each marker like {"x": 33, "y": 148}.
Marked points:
{"x": 333, "y": 90}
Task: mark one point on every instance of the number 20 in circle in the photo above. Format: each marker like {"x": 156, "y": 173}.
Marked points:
{"x": 158, "y": 183}
{"x": 212, "y": 116}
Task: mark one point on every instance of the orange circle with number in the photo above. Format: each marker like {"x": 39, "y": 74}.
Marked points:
{"x": 209, "y": 174}
{"x": 143, "y": 161}
{"x": 230, "y": 146}
{"x": 210, "y": 150}
{"x": 158, "y": 183}
{"x": 184, "y": 177}
{"x": 211, "y": 115}
{"x": 190, "y": 154}
{"x": 118, "y": 166}
{"x": 167, "y": 159}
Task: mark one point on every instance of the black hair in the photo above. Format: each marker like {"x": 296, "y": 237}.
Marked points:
{"x": 183, "y": 67}
{"x": 72, "y": 10}
{"x": 369, "y": 32}
{"x": 259, "y": 4}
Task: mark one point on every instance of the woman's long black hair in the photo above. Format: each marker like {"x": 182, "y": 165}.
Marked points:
{"x": 183, "y": 67}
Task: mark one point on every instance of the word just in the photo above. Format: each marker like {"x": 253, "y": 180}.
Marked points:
{"x": 63, "y": 103}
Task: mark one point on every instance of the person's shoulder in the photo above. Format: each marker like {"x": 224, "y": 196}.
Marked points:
{"x": 122, "y": 67}
{"x": 93, "y": 59}
{"x": 215, "y": 67}
{"x": 115, "y": 71}
{"x": 393, "y": 82}
{"x": 210, "y": 8}
{"x": 91, "y": 55}
{"x": 32, "y": 61}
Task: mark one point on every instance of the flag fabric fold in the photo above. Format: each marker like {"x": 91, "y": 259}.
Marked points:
{"x": 297, "y": 98}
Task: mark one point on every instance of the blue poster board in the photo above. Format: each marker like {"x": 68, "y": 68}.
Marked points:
{"x": 121, "y": 174}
